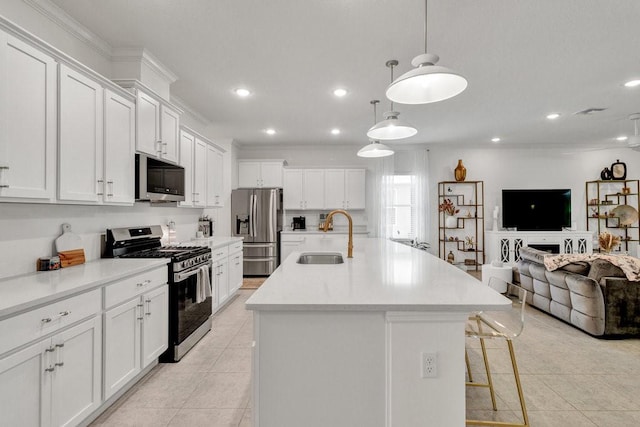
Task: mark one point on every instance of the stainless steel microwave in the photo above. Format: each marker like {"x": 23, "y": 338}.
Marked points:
{"x": 158, "y": 181}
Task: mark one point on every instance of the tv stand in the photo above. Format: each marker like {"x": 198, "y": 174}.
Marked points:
{"x": 505, "y": 245}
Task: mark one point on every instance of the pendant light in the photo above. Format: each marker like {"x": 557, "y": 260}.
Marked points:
{"x": 634, "y": 141}
{"x": 392, "y": 127}
{"x": 428, "y": 82}
{"x": 375, "y": 148}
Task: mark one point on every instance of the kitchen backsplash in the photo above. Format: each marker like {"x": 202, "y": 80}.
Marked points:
{"x": 28, "y": 231}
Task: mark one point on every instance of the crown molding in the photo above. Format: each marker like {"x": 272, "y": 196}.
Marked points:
{"x": 178, "y": 102}
{"x": 129, "y": 54}
{"x": 73, "y": 27}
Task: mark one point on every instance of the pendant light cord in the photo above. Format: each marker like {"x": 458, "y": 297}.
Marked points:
{"x": 391, "y": 66}
{"x": 425, "y": 26}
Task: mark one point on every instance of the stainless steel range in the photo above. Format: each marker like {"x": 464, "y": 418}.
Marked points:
{"x": 189, "y": 310}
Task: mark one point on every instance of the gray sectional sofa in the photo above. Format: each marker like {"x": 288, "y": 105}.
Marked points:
{"x": 595, "y": 297}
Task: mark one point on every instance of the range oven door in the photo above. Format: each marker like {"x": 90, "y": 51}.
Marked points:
{"x": 186, "y": 315}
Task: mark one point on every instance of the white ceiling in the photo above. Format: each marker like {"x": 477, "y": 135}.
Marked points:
{"x": 523, "y": 60}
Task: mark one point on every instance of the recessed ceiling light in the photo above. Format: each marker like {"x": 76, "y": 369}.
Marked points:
{"x": 335, "y": 131}
{"x": 622, "y": 138}
{"x": 270, "y": 131}
{"x": 340, "y": 92}
{"x": 632, "y": 83}
{"x": 496, "y": 139}
{"x": 242, "y": 92}
{"x": 553, "y": 116}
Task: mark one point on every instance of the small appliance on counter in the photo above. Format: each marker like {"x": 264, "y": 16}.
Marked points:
{"x": 323, "y": 219}
{"x": 205, "y": 224}
{"x": 299, "y": 223}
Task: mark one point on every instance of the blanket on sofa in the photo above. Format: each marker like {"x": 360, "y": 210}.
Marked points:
{"x": 628, "y": 264}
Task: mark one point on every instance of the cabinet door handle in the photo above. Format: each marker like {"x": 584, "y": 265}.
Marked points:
{"x": 164, "y": 144}
{"x": 50, "y": 349}
{"x": 110, "y": 194}
{"x": 59, "y": 361}
{"x": 148, "y": 312}
{"x": 4, "y": 186}
{"x": 46, "y": 320}
{"x": 141, "y": 307}
{"x": 101, "y": 182}
{"x": 50, "y": 369}
{"x": 65, "y": 313}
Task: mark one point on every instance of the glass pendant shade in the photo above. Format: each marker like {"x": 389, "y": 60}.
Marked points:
{"x": 634, "y": 141}
{"x": 375, "y": 149}
{"x": 391, "y": 128}
{"x": 427, "y": 83}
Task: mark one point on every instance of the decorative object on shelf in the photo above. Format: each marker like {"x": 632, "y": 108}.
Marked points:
{"x": 427, "y": 82}
{"x": 608, "y": 241}
{"x": 450, "y": 257}
{"x": 594, "y": 212}
{"x": 618, "y": 170}
{"x": 451, "y": 222}
{"x": 391, "y": 127}
{"x": 605, "y": 174}
{"x": 469, "y": 261}
{"x": 460, "y": 172}
{"x": 469, "y": 242}
{"x": 375, "y": 148}
{"x": 626, "y": 214}
{"x": 448, "y": 207}
{"x": 626, "y": 190}
{"x": 496, "y": 212}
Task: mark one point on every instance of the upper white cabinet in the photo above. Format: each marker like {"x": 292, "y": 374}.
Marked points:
{"x": 80, "y": 155}
{"x": 260, "y": 174}
{"x": 203, "y": 165}
{"x": 214, "y": 177}
{"x": 187, "y": 149}
{"x": 28, "y": 96}
{"x": 119, "y": 149}
{"x": 345, "y": 188}
{"x": 303, "y": 189}
{"x": 158, "y": 123}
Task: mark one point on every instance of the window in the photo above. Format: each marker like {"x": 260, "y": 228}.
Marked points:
{"x": 402, "y": 215}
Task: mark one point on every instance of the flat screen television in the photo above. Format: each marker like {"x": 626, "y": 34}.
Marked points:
{"x": 536, "y": 210}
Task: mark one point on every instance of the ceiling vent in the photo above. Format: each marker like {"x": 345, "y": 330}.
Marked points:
{"x": 589, "y": 111}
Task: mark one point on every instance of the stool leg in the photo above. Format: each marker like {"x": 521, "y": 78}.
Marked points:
{"x": 518, "y": 384}
{"x": 488, "y": 371}
{"x": 466, "y": 360}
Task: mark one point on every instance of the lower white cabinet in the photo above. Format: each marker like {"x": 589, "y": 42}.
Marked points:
{"x": 55, "y": 381}
{"x": 135, "y": 335}
{"x": 220, "y": 277}
{"x": 235, "y": 269}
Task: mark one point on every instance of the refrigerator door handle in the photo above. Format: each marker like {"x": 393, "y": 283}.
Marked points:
{"x": 253, "y": 215}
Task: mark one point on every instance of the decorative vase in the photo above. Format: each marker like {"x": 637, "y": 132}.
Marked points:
{"x": 460, "y": 172}
{"x": 450, "y": 221}
{"x": 450, "y": 257}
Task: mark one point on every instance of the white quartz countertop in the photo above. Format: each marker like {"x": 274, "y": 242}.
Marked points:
{"x": 381, "y": 276}
{"x": 213, "y": 242}
{"x": 28, "y": 291}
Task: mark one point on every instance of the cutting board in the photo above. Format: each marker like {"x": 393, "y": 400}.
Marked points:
{"x": 69, "y": 247}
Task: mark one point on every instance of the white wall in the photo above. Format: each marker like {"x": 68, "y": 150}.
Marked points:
{"x": 532, "y": 168}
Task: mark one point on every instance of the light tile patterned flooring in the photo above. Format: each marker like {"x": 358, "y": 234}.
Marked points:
{"x": 569, "y": 379}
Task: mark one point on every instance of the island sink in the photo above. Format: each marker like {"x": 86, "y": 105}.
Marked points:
{"x": 320, "y": 258}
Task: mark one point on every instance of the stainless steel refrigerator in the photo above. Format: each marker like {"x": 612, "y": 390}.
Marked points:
{"x": 256, "y": 215}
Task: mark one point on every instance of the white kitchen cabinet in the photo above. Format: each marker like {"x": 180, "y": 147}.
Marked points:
{"x": 303, "y": 189}
{"x": 148, "y": 124}
{"x": 169, "y": 130}
{"x": 28, "y": 122}
{"x": 220, "y": 276}
{"x": 235, "y": 267}
{"x": 119, "y": 149}
{"x": 200, "y": 174}
{"x": 187, "y": 149}
{"x": 55, "y": 381}
{"x": 345, "y": 189}
{"x": 80, "y": 147}
{"x": 261, "y": 174}
{"x": 157, "y": 126}
{"x": 214, "y": 177}
{"x": 135, "y": 326}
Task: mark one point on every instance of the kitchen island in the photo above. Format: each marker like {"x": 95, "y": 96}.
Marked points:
{"x": 343, "y": 345}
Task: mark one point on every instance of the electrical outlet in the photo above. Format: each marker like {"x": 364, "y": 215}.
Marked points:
{"x": 429, "y": 365}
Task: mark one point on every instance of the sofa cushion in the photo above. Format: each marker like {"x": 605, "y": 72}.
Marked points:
{"x": 578, "y": 267}
{"x": 601, "y": 268}
{"x": 534, "y": 255}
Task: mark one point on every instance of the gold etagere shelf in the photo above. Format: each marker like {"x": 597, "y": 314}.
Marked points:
{"x": 466, "y": 240}
{"x": 602, "y": 197}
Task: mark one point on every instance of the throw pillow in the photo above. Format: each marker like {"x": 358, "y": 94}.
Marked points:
{"x": 578, "y": 267}
{"x": 601, "y": 268}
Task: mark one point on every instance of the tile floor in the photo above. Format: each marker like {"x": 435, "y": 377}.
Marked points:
{"x": 569, "y": 379}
